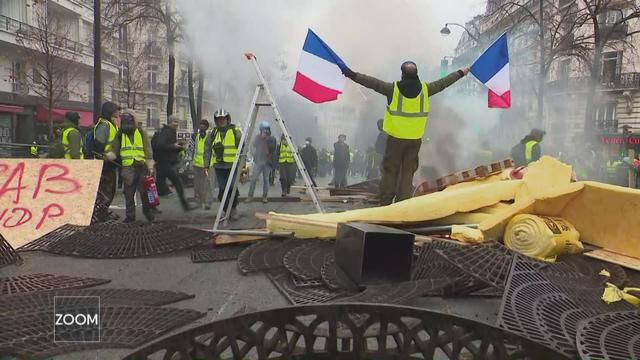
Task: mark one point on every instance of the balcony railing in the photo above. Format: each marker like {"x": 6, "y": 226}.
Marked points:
{"x": 17, "y": 28}
{"x": 616, "y": 82}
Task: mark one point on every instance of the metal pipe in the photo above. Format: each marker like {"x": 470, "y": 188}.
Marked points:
{"x": 22, "y": 145}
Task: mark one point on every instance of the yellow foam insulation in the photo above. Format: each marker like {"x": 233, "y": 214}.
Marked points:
{"x": 466, "y": 234}
{"x": 543, "y": 177}
{"x": 542, "y": 237}
{"x": 421, "y": 208}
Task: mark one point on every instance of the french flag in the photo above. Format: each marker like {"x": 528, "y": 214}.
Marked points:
{"x": 492, "y": 69}
{"x": 319, "y": 77}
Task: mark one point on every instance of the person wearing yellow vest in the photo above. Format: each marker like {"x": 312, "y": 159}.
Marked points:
{"x": 529, "y": 149}
{"x": 286, "y": 166}
{"x": 104, "y": 133}
{"x": 405, "y": 120}
{"x": 201, "y": 181}
{"x": 220, "y": 151}
{"x": 133, "y": 147}
{"x": 35, "y": 153}
{"x": 71, "y": 138}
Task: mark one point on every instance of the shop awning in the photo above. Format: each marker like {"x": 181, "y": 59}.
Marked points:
{"x": 42, "y": 114}
{"x": 11, "y": 109}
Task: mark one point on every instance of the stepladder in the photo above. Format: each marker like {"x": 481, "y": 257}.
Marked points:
{"x": 262, "y": 98}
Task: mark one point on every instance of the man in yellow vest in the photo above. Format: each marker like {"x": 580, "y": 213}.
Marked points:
{"x": 35, "y": 153}
{"x": 529, "y": 149}
{"x": 220, "y": 151}
{"x": 287, "y": 166}
{"x": 405, "y": 120}
{"x": 104, "y": 133}
{"x": 201, "y": 181}
{"x": 134, "y": 148}
{"x": 71, "y": 137}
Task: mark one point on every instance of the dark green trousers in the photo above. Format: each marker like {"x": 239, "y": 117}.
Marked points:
{"x": 399, "y": 163}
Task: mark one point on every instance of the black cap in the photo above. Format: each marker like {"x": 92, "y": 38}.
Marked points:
{"x": 308, "y": 139}
{"x": 108, "y": 109}
{"x": 72, "y": 116}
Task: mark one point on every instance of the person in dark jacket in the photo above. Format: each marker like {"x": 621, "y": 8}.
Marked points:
{"x": 104, "y": 133}
{"x": 71, "y": 137}
{"x": 309, "y": 157}
{"x": 167, "y": 151}
{"x": 264, "y": 146}
{"x": 528, "y": 149}
{"x": 341, "y": 161}
{"x": 405, "y": 121}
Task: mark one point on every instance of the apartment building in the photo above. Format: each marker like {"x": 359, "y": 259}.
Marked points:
{"x": 66, "y": 25}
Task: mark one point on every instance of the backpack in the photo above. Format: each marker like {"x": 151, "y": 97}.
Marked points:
{"x": 87, "y": 146}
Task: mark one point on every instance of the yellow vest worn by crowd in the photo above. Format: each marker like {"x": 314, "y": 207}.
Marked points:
{"x": 528, "y": 150}
{"x": 113, "y": 131}
{"x": 229, "y": 146}
{"x": 131, "y": 151}
{"x": 406, "y": 118}
{"x": 65, "y": 143}
{"x": 34, "y": 150}
{"x": 198, "y": 152}
{"x": 286, "y": 155}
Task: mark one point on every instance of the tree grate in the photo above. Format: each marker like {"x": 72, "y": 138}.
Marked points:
{"x": 29, "y": 302}
{"x": 431, "y": 265}
{"x": 208, "y": 253}
{"x": 44, "y": 282}
{"x": 614, "y": 336}
{"x": 489, "y": 263}
{"x": 303, "y": 295}
{"x": 398, "y": 293}
{"x": 43, "y": 242}
{"x": 538, "y": 309}
{"x": 114, "y": 240}
{"x": 8, "y": 254}
{"x": 29, "y": 335}
{"x": 306, "y": 261}
{"x": 265, "y": 255}
{"x": 589, "y": 268}
{"x": 334, "y": 277}
{"x": 299, "y": 282}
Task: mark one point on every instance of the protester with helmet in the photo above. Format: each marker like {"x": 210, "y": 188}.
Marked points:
{"x": 220, "y": 151}
{"x": 264, "y": 146}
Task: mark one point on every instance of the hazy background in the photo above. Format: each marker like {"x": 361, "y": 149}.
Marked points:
{"x": 372, "y": 36}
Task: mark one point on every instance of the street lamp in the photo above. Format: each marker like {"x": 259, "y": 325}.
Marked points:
{"x": 445, "y": 31}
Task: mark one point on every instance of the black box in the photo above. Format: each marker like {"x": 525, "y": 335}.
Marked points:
{"x": 374, "y": 254}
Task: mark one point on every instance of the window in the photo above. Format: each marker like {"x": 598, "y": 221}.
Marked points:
{"x": 606, "y": 117}
{"x": 17, "y": 77}
{"x": 152, "y": 77}
{"x": 610, "y": 17}
{"x": 611, "y": 66}
{"x": 123, "y": 38}
{"x": 564, "y": 68}
{"x": 123, "y": 75}
{"x": 15, "y": 9}
{"x": 153, "y": 116}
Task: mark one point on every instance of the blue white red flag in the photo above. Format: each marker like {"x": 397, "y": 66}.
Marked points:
{"x": 319, "y": 77}
{"x": 492, "y": 69}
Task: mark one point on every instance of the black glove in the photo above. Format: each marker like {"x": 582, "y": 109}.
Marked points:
{"x": 348, "y": 73}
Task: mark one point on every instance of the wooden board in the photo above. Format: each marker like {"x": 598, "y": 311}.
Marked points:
{"x": 615, "y": 258}
{"x": 233, "y": 239}
{"x": 40, "y": 195}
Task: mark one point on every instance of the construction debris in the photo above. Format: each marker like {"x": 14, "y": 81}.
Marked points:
{"x": 8, "y": 254}
{"x": 542, "y": 237}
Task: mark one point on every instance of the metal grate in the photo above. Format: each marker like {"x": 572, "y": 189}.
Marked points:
{"x": 613, "y": 336}
{"x": 490, "y": 263}
{"x": 304, "y": 295}
{"x": 43, "y": 242}
{"x": 431, "y": 265}
{"x": 44, "y": 282}
{"x": 334, "y": 277}
{"x": 588, "y": 267}
{"x": 208, "y": 253}
{"x": 8, "y": 254}
{"x": 29, "y": 335}
{"x": 114, "y": 240}
{"x": 398, "y": 293}
{"x": 265, "y": 255}
{"x": 298, "y": 282}
{"x": 29, "y": 302}
{"x": 336, "y": 331}
{"x": 306, "y": 261}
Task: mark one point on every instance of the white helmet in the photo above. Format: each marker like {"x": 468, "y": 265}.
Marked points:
{"x": 221, "y": 112}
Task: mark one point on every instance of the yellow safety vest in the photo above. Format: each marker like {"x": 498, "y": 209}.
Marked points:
{"x": 130, "y": 152}
{"x": 286, "y": 155}
{"x": 198, "y": 153}
{"x": 113, "y": 131}
{"x": 229, "y": 144}
{"x": 406, "y": 118}
{"x": 528, "y": 150}
{"x": 65, "y": 143}
{"x": 34, "y": 150}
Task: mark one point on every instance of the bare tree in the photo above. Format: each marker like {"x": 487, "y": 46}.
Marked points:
{"x": 132, "y": 71}
{"x": 195, "y": 96}
{"x": 140, "y": 14}
{"x": 51, "y": 57}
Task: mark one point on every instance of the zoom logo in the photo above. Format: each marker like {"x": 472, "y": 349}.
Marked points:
{"x": 76, "y": 319}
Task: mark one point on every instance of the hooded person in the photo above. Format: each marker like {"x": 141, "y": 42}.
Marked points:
{"x": 133, "y": 147}
{"x": 71, "y": 138}
{"x": 341, "y": 161}
{"x": 104, "y": 133}
{"x": 405, "y": 121}
{"x": 528, "y": 149}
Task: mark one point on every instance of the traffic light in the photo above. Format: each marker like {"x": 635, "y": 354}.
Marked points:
{"x": 444, "y": 67}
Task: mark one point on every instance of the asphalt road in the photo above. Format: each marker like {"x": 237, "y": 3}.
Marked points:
{"x": 219, "y": 288}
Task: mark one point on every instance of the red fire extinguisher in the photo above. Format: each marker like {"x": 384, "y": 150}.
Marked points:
{"x": 152, "y": 191}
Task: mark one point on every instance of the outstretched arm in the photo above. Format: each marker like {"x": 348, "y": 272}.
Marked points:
{"x": 439, "y": 85}
{"x": 379, "y": 86}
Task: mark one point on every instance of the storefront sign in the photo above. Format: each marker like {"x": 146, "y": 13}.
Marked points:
{"x": 619, "y": 140}
{"x": 40, "y": 195}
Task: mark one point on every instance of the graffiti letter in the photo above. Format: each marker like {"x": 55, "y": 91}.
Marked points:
{"x": 26, "y": 216}
{"x": 19, "y": 172}
{"x": 45, "y": 214}
{"x": 62, "y": 177}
